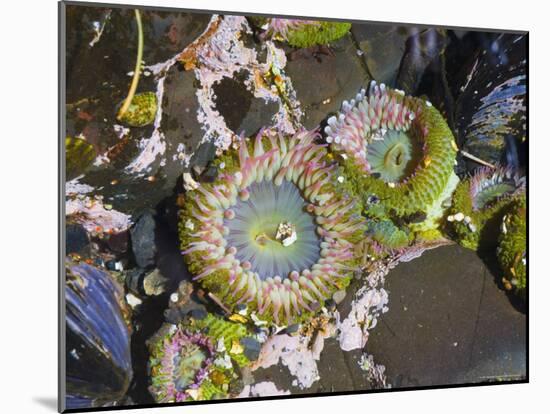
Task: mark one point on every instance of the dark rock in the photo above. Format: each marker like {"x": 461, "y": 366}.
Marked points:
{"x": 76, "y": 239}
{"x": 134, "y": 280}
{"x": 143, "y": 240}
{"x": 259, "y": 115}
{"x": 383, "y": 46}
{"x": 448, "y": 323}
{"x": 423, "y": 49}
{"x": 336, "y": 371}
{"x": 251, "y": 348}
{"x": 118, "y": 242}
{"x": 337, "y": 77}
{"x": 243, "y": 113}
{"x": 291, "y": 329}
{"x": 198, "y": 313}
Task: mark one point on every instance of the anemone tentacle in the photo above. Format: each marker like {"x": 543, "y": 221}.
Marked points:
{"x": 287, "y": 233}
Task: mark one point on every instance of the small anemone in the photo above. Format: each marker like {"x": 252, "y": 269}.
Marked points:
{"x": 512, "y": 247}
{"x": 275, "y": 230}
{"x": 400, "y": 154}
{"x": 180, "y": 361}
{"x": 480, "y": 202}
{"x": 305, "y": 33}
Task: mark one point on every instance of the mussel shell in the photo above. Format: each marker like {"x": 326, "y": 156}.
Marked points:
{"x": 492, "y": 106}
{"x": 99, "y": 367}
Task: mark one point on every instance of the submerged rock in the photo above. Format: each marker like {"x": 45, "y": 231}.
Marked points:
{"x": 448, "y": 324}
{"x": 143, "y": 240}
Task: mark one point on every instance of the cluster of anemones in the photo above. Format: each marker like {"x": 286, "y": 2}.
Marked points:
{"x": 179, "y": 363}
{"x": 512, "y": 247}
{"x": 400, "y": 155}
{"x": 305, "y": 33}
{"x": 275, "y": 231}
{"x": 479, "y": 204}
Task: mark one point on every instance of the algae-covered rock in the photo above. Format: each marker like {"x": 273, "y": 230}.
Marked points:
{"x": 512, "y": 248}
{"x": 141, "y": 111}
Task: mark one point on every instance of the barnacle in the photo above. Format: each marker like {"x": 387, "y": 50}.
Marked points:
{"x": 399, "y": 154}
{"x": 275, "y": 230}
{"x": 479, "y": 204}
{"x": 512, "y": 247}
{"x": 306, "y": 33}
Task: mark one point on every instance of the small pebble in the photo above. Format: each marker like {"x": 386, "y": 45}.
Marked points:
{"x": 133, "y": 300}
{"x": 339, "y": 296}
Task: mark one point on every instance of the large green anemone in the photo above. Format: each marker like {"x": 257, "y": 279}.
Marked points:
{"x": 512, "y": 247}
{"x": 275, "y": 230}
{"x": 480, "y": 202}
{"x": 306, "y": 33}
{"x": 399, "y": 154}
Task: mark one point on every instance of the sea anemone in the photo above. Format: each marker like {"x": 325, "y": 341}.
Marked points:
{"x": 179, "y": 363}
{"x": 399, "y": 154}
{"x": 305, "y": 33}
{"x": 99, "y": 366}
{"x": 275, "y": 230}
{"x": 480, "y": 202}
{"x": 512, "y": 247}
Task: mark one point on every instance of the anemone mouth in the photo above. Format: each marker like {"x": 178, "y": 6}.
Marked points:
{"x": 490, "y": 185}
{"x": 273, "y": 231}
{"x": 188, "y": 362}
{"x": 393, "y": 156}
{"x": 256, "y": 225}
{"x": 180, "y": 361}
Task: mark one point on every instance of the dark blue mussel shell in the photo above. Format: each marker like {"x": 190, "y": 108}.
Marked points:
{"x": 99, "y": 367}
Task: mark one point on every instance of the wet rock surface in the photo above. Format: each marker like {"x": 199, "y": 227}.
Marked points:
{"x": 448, "y": 323}
{"x": 143, "y": 240}
{"x": 382, "y": 48}
{"x": 338, "y": 72}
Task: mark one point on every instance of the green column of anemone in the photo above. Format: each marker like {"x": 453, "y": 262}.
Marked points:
{"x": 479, "y": 204}
{"x": 434, "y": 167}
{"x": 512, "y": 247}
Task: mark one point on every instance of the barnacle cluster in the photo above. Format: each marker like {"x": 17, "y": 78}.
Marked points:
{"x": 512, "y": 247}
{"x": 399, "y": 154}
{"x": 275, "y": 230}
{"x": 305, "y": 33}
{"x": 479, "y": 204}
